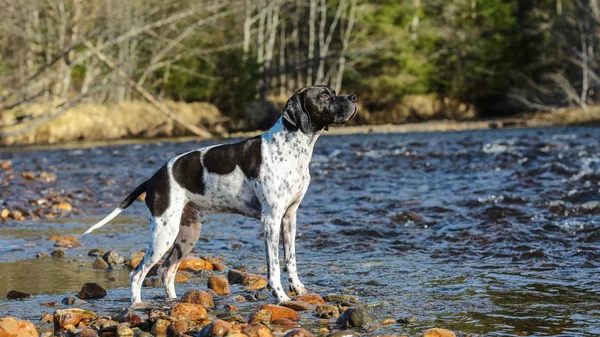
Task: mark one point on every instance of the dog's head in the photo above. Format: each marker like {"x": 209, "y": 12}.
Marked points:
{"x": 316, "y": 107}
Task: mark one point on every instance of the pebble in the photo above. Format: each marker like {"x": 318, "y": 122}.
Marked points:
{"x": 219, "y": 284}
{"x": 327, "y": 311}
{"x": 193, "y": 263}
{"x": 124, "y": 331}
{"x": 260, "y": 284}
{"x": 407, "y": 319}
{"x": 96, "y": 252}
{"x": 263, "y": 316}
{"x": 298, "y": 305}
{"x": 87, "y": 332}
{"x": 191, "y": 312}
{"x": 113, "y": 258}
{"x": 257, "y": 330}
{"x": 198, "y": 297}
{"x": 436, "y": 332}
{"x": 58, "y": 252}
{"x": 178, "y": 328}
{"x": 180, "y": 278}
{"x": 278, "y": 312}
{"x": 50, "y": 304}
{"x": 239, "y": 277}
{"x": 344, "y": 333}
{"x": 216, "y": 328}
{"x": 135, "y": 259}
{"x": 17, "y": 295}
{"x": 341, "y": 298}
{"x": 91, "y": 290}
{"x": 355, "y": 317}
{"x": 129, "y": 316}
{"x": 100, "y": 264}
{"x": 47, "y": 318}
{"x": 388, "y": 321}
{"x": 299, "y": 333}
{"x": 71, "y": 317}
{"x": 311, "y": 298}
{"x": 160, "y": 327}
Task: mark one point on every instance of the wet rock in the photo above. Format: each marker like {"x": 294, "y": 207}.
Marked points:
{"x": 178, "y": 328}
{"x": 327, "y": 311}
{"x": 355, "y": 317}
{"x": 152, "y": 282}
{"x": 13, "y": 327}
{"x": 241, "y": 268}
{"x": 96, "y": 252}
{"x": 180, "y": 278}
{"x": 65, "y": 318}
{"x": 112, "y": 279}
{"x": 28, "y": 175}
{"x": 100, "y": 264}
{"x": 299, "y": 333}
{"x": 47, "y": 318}
{"x": 191, "y": 312}
{"x": 388, "y": 321}
{"x": 436, "y": 332}
{"x": 41, "y": 254}
{"x": 344, "y": 333}
{"x": 127, "y": 315}
{"x": 5, "y": 213}
{"x": 50, "y": 304}
{"x": 87, "y": 332}
{"x": 156, "y": 313}
{"x": 218, "y": 266}
{"x": 160, "y": 327}
{"x": 407, "y": 216}
{"x": 281, "y": 312}
{"x": 341, "y": 298}
{"x": 311, "y": 298}
{"x": 260, "y": 284}
{"x": 113, "y": 258}
{"x": 239, "y": 277}
{"x": 284, "y": 324}
{"x": 70, "y": 300}
{"x": 65, "y": 241}
{"x": 298, "y": 305}
{"x": 62, "y": 207}
{"x": 216, "y": 328}
{"x": 46, "y": 334}
{"x": 407, "y": 320}
{"x": 192, "y": 263}
{"x": 58, "y": 252}
{"x": 262, "y": 316}
{"x": 257, "y": 330}
{"x": 17, "y": 295}
{"x": 260, "y": 296}
{"x": 219, "y": 284}
{"x": 92, "y": 291}
{"x": 198, "y": 297}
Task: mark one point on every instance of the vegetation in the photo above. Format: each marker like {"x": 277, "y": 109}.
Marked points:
{"x": 494, "y": 57}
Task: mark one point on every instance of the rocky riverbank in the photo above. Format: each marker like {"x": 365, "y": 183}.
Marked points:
{"x": 233, "y": 303}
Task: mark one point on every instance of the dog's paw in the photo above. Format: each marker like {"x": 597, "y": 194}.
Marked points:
{"x": 299, "y": 289}
{"x": 282, "y": 299}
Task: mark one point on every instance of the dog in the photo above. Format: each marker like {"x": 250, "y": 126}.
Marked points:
{"x": 264, "y": 177}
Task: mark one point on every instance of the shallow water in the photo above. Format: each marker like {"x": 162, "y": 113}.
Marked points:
{"x": 490, "y": 232}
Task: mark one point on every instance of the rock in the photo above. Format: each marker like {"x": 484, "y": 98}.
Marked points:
{"x": 178, "y": 328}
{"x": 180, "y": 278}
{"x": 127, "y": 315}
{"x": 407, "y": 216}
{"x": 407, "y": 319}
{"x": 41, "y": 254}
{"x": 152, "y": 282}
{"x": 257, "y": 330}
{"x": 65, "y": 241}
{"x": 436, "y": 332}
{"x": 69, "y": 300}
{"x": 355, "y": 317}
{"x": 260, "y": 284}
{"x": 50, "y": 304}
{"x": 311, "y": 298}
{"x": 345, "y": 333}
{"x": 13, "y": 327}
{"x": 341, "y": 298}
{"x": 262, "y": 316}
{"x": 58, "y": 252}
{"x": 239, "y": 277}
{"x": 327, "y": 311}
{"x": 100, "y": 264}
{"x": 62, "y": 206}
{"x": 4, "y": 213}
{"x": 135, "y": 259}
{"x": 87, "y": 332}
{"x": 216, "y": 328}
{"x": 91, "y": 291}
{"x": 160, "y": 327}
{"x": 284, "y": 324}
{"x": 298, "y": 305}
{"x": 191, "y": 312}
{"x": 219, "y": 284}
{"x": 218, "y": 266}
{"x": 260, "y": 296}
{"x": 281, "y": 312}
{"x": 193, "y": 263}
{"x": 113, "y": 258}
{"x": 96, "y": 252}
{"x": 17, "y": 295}
{"x": 388, "y": 321}
{"x": 28, "y": 175}
{"x": 299, "y": 333}
{"x": 48, "y": 318}
{"x": 198, "y": 297}
{"x": 124, "y": 331}
{"x": 64, "y": 318}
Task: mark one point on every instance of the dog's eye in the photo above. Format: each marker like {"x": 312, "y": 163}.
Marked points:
{"x": 324, "y": 96}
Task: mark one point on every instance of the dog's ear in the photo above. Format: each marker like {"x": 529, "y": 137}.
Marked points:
{"x": 295, "y": 113}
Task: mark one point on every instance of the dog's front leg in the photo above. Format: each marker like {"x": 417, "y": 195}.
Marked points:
{"x": 289, "y": 248}
{"x": 271, "y": 224}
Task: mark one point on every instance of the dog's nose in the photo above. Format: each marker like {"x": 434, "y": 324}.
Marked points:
{"x": 352, "y": 98}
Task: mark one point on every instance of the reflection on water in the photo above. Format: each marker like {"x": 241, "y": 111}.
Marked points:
{"x": 488, "y": 232}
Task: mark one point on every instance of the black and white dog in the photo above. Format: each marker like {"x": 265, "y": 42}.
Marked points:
{"x": 264, "y": 177}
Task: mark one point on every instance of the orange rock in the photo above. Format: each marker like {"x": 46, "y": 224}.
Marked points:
{"x": 195, "y": 264}
{"x": 239, "y": 277}
{"x": 135, "y": 259}
{"x": 63, "y": 206}
{"x": 260, "y": 284}
{"x": 189, "y": 311}
{"x": 6, "y": 164}
{"x": 263, "y": 316}
{"x": 388, "y": 321}
{"x": 13, "y": 327}
{"x": 180, "y": 278}
{"x": 436, "y": 332}
{"x": 299, "y": 333}
{"x": 311, "y": 298}
{"x": 64, "y": 238}
{"x": 65, "y": 318}
{"x": 278, "y": 312}
{"x": 28, "y": 175}
{"x": 219, "y": 284}
{"x": 218, "y": 266}
{"x": 216, "y": 328}
{"x": 298, "y": 305}
{"x": 178, "y": 328}
{"x": 257, "y": 330}
{"x": 5, "y": 213}
{"x": 198, "y": 297}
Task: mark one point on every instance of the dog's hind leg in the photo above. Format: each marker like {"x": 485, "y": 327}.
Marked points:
{"x": 164, "y": 230}
{"x": 189, "y": 232}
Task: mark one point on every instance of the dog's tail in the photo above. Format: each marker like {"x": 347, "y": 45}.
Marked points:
{"x": 126, "y": 203}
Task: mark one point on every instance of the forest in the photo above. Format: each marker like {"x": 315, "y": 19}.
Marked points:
{"x": 471, "y": 58}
